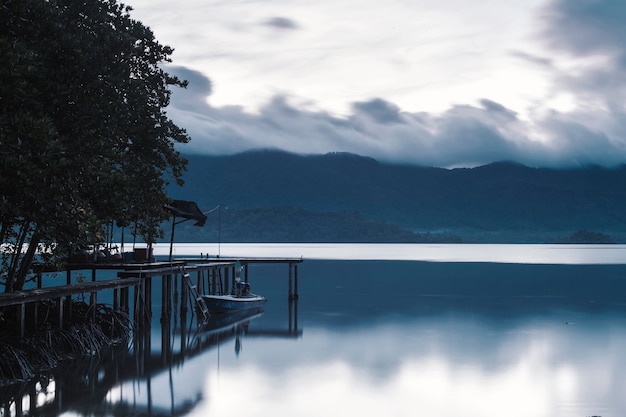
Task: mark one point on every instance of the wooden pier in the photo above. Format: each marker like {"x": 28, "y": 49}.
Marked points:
{"x": 212, "y": 276}
{"x": 132, "y": 289}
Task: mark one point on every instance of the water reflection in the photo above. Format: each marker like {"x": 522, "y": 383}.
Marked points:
{"x": 434, "y": 367}
{"x": 385, "y": 338}
{"x": 147, "y": 377}
{"x": 401, "y": 339}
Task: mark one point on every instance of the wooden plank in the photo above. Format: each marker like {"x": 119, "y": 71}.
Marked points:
{"x": 27, "y": 296}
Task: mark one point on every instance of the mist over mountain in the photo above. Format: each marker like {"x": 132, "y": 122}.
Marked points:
{"x": 274, "y": 196}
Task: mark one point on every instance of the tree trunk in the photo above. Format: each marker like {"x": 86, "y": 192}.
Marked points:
{"x": 15, "y": 261}
{"x": 27, "y": 262}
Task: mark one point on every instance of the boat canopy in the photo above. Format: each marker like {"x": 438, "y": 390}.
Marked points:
{"x": 188, "y": 210}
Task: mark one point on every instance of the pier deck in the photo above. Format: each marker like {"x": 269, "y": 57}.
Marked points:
{"x": 38, "y": 294}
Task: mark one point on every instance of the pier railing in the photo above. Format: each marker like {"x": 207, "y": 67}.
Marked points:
{"x": 212, "y": 277}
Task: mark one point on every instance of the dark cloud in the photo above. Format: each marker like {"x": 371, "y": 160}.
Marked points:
{"x": 282, "y": 23}
{"x": 200, "y": 88}
{"x": 587, "y": 27}
{"x": 494, "y": 107}
{"x": 379, "y": 110}
{"x": 593, "y": 31}
{"x": 467, "y": 135}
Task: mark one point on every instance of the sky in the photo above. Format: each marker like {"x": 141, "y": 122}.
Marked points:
{"x": 445, "y": 83}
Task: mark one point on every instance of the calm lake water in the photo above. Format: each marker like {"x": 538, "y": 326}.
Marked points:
{"x": 396, "y": 330}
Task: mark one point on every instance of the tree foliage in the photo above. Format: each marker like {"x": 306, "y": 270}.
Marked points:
{"x": 84, "y": 136}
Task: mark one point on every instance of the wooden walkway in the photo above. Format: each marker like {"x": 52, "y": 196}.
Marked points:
{"x": 38, "y": 294}
{"x": 212, "y": 274}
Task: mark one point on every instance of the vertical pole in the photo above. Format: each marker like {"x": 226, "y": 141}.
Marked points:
{"x": 290, "y": 294}
{"x": 176, "y": 293}
{"x": 184, "y": 297}
{"x": 165, "y": 297}
{"x": 124, "y": 299}
{"x": 22, "y": 319}
{"x": 60, "y": 307}
{"x": 166, "y": 329}
{"x": 295, "y": 295}
{"x": 226, "y": 280}
{"x": 137, "y": 305}
{"x": 148, "y": 302}
{"x": 33, "y": 401}
{"x": 116, "y": 302}
{"x": 184, "y": 291}
{"x": 68, "y": 299}
{"x": 234, "y": 274}
{"x": 295, "y": 316}
{"x": 172, "y": 237}
{"x": 19, "y": 409}
{"x": 136, "y": 290}
{"x": 93, "y": 298}
{"x": 219, "y": 230}
{"x": 290, "y": 315}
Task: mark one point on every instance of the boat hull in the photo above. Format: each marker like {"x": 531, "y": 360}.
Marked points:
{"x": 219, "y": 304}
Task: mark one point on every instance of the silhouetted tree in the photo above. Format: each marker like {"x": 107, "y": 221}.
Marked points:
{"x": 84, "y": 137}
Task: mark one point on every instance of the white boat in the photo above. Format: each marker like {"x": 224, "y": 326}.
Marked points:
{"x": 242, "y": 299}
{"x": 217, "y": 304}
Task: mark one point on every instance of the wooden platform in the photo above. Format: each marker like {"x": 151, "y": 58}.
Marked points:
{"x": 38, "y": 294}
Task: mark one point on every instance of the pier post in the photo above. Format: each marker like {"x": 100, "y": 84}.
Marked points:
{"x": 147, "y": 305}
{"x": 116, "y": 301}
{"x": 290, "y": 294}
{"x": 295, "y": 295}
{"x": 93, "y": 297}
{"x": 139, "y": 304}
{"x": 68, "y": 299}
{"x": 124, "y": 300}
{"x": 166, "y": 297}
{"x": 22, "y": 319}
{"x": 200, "y": 281}
{"x": 184, "y": 296}
{"x": 60, "y": 307}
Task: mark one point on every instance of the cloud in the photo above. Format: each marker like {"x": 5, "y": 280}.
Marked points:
{"x": 282, "y": 23}
{"x": 585, "y": 62}
{"x": 586, "y": 38}
{"x": 379, "y": 110}
{"x": 465, "y": 135}
{"x": 200, "y": 88}
{"x": 587, "y": 27}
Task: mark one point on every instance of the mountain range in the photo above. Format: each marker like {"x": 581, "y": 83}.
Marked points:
{"x": 274, "y": 196}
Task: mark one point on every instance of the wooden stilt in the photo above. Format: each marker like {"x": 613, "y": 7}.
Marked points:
{"x": 295, "y": 295}
{"x": 290, "y": 293}
{"x": 22, "y": 319}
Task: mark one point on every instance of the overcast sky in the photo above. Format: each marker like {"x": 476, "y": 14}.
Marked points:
{"x": 430, "y": 82}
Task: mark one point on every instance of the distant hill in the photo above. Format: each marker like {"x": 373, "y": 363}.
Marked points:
{"x": 278, "y": 196}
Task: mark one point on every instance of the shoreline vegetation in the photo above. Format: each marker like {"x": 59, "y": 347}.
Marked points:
{"x": 297, "y": 225}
